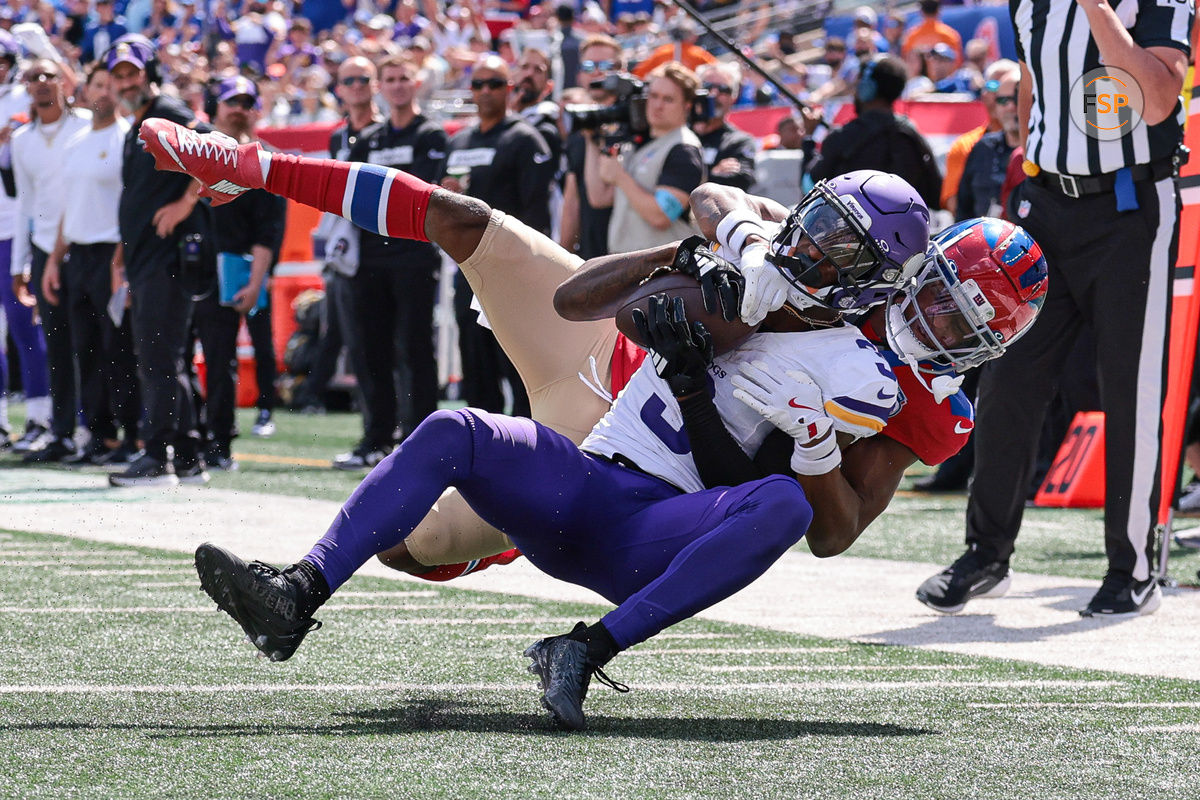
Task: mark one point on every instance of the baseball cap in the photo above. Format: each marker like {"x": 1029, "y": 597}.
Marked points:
{"x": 130, "y": 49}
{"x": 235, "y": 86}
{"x": 943, "y": 50}
{"x": 866, "y": 15}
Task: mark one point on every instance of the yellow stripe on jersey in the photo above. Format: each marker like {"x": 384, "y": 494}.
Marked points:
{"x": 853, "y": 418}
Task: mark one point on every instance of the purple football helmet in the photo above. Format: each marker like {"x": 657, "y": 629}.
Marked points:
{"x": 852, "y": 241}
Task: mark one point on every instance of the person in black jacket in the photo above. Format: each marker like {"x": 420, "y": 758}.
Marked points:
{"x": 503, "y": 161}
{"x": 395, "y": 288}
{"x": 249, "y": 227}
{"x": 878, "y": 138}
{"x": 167, "y": 235}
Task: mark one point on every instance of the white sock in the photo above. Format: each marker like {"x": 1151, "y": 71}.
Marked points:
{"x": 37, "y": 410}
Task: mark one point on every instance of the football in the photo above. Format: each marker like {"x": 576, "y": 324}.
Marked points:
{"x": 726, "y": 335}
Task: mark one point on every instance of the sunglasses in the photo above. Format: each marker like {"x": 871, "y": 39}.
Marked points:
{"x": 355, "y": 80}
{"x": 991, "y": 86}
{"x": 1005, "y": 99}
{"x": 719, "y": 88}
{"x": 41, "y": 76}
{"x": 242, "y": 101}
{"x": 491, "y": 83}
{"x": 597, "y": 66}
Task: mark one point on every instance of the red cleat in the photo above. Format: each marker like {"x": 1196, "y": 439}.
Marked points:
{"x": 225, "y": 168}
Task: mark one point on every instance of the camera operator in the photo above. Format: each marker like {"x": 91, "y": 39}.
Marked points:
{"x": 649, "y": 183}
{"x": 583, "y": 228}
{"x": 728, "y": 152}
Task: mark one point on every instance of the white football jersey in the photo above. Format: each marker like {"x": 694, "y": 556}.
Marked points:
{"x": 15, "y": 104}
{"x": 645, "y": 424}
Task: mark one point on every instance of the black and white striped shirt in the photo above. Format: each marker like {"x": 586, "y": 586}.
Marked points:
{"x": 1055, "y": 42}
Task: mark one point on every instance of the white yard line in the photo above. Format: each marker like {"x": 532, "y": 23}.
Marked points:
{"x": 857, "y": 599}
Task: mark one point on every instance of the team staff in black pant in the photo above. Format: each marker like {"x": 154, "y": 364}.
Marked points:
{"x": 251, "y": 226}
{"x": 505, "y": 162}
{"x": 166, "y": 234}
{"x": 1105, "y": 209}
{"x": 395, "y": 287}
{"x": 356, "y": 84}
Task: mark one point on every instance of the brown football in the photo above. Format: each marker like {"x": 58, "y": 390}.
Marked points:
{"x": 726, "y": 335}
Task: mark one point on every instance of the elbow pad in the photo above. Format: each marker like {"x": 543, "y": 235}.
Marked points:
{"x": 669, "y": 204}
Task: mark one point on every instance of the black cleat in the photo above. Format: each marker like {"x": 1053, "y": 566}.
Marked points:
{"x": 260, "y": 598}
{"x": 564, "y": 671}
{"x": 972, "y": 575}
{"x": 1122, "y": 596}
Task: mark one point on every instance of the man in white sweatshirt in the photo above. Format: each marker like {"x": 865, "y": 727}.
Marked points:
{"x": 86, "y": 268}
{"x": 37, "y": 160}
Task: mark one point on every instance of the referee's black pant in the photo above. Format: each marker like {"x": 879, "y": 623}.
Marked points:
{"x": 1112, "y": 270}
{"x": 162, "y": 317}
{"x": 393, "y": 310}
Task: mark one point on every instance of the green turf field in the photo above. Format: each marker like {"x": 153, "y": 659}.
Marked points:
{"x": 120, "y": 679}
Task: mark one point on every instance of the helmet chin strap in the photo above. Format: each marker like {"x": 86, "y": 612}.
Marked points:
{"x": 904, "y": 343}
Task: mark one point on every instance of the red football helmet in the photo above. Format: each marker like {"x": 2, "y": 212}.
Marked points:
{"x": 981, "y": 289}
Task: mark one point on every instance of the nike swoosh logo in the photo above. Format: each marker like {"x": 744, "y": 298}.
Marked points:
{"x": 883, "y": 395}
{"x": 794, "y": 404}
{"x": 1139, "y": 599}
{"x": 958, "y": 427}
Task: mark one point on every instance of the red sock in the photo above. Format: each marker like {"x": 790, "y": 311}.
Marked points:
{"x": 358, "y": 192}
{"x": 448, "y": 572}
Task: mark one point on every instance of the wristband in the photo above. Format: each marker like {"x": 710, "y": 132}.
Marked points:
{"x": 736, "y": 226}
{"x": 816, "y": 458}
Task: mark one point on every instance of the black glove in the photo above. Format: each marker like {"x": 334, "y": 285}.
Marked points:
{"x": 719, "y": 280}
{"x": 681, "y": 352}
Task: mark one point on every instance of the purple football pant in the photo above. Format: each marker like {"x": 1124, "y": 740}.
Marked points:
{"x": 26, "y": 335}
{"x": 659, "y": 554}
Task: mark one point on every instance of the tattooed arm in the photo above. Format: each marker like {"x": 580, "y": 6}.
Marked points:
{"x": 599, "y": 287}
{"x": 712, "y": 201}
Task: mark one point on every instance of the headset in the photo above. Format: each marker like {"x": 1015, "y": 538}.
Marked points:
{"x": 867, "y": 89}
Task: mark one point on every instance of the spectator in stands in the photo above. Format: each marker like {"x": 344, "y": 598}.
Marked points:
{"x": 298, "y": 52}
{"x": 168, "y": 259}
{"x": 893, "y": 32}
{"x": 648, "y": 185}
{"x": 843, "y": 72}
{"x": 788, "y": 135}
{"x": 248, "y": 230}
{"x": 505, "y": 162}
{"x": 728, "y": 151}
{"x": 946, "y": 79}
{"x": 569, "y": 44}
{"x": 86, "y": 256}
{"x": 37, "y": 159}
{"x": 916, "y": 64}
{"x": 866, "y": 24}
{"x": 986, "y": 166}
{"x": 409, "y": 23}
{"x": 957, "y": 155}
{"x": 101, "y": 33}
{"x": 931, "y": 31}
{"x": 878, "y": 138}
{"x": 395, "y": 287}
{"x": 681, "y": 49}
{"x": 356, "y": 85}
{"x": 583, "y": 228}
{"x": 977, "y": 55}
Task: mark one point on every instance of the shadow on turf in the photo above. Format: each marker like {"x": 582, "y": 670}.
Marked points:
{"x": 457, "y": 715}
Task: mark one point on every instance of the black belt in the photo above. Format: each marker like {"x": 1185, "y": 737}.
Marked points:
{"x": 1075, "y": 186}
{"x": 626, "y": 462}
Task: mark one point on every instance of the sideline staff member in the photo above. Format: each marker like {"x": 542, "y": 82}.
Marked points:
{"x": 1106, "y": 214}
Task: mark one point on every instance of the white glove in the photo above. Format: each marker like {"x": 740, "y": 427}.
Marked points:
{"x": 797, "y": 409}
{"x": 766, "y": 290}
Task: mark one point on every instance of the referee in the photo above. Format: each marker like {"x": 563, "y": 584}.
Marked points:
{"x": 1101, "y": 200}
